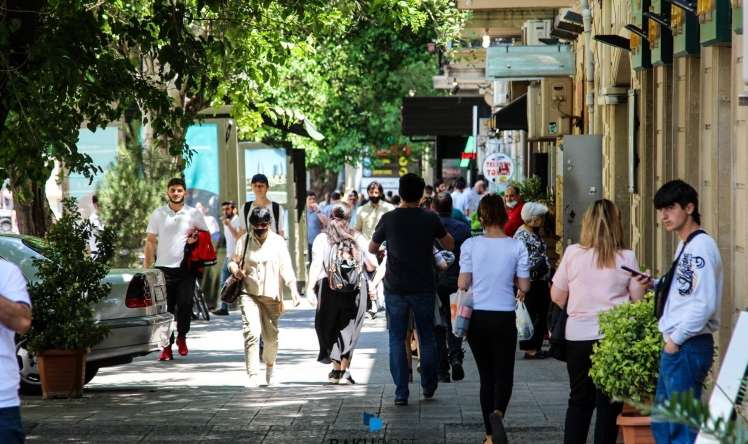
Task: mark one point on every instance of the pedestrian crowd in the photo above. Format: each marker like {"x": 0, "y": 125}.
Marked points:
{"x": 412, "y": 255}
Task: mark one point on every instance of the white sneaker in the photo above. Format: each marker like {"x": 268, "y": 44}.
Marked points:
{"x": 269, "y": 375}
{"x": 253, "y": 382}
{"x": 347, "y": 378}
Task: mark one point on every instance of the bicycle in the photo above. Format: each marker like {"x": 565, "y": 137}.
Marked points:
{"x": 199, "y": 306}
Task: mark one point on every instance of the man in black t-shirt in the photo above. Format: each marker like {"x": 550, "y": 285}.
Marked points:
{"x": 409, "y": 282}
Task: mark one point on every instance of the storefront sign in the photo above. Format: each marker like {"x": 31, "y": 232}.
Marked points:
{"x": 498, "y": 168}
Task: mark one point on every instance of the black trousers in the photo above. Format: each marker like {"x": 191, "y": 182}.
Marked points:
{"x": 180, "y": 289}
{"x": 448, "y": 345}
{"x": 492, "y": 336}
{"x": 537, "y": 302}
{"x": 585, "y": 398}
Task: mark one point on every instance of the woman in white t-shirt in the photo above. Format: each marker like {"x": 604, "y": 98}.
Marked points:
{"x": 340, "y": 311}
{"x": 491, "y": 266}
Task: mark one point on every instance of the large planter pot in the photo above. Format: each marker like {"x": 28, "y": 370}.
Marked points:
{"x": 635, "y": 428}
{"x": 62, "y": 373}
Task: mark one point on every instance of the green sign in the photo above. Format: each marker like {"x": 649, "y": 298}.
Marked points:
{"x": 534, "y": 61}
{"x": 685, "y": 28}
{"x": 640, "y": 54}
{"x": 716, "y": 23}
{"x": 660, "y": 37}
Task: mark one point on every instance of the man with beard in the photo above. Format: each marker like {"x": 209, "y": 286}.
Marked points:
{"x": 513, "y": 203}
{"x": 369, "y": 214}
{"x": 170, "y": 229}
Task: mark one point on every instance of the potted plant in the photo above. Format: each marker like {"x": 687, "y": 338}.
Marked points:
{"x": 625, "y": 363}
{"x": 69, "y": 281}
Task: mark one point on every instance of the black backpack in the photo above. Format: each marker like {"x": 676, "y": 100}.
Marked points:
{"x": 344, "y": 266}
{"x": 276, "y": 214}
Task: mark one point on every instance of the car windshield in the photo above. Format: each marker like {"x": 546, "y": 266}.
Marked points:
{"x": 36, "y": 244}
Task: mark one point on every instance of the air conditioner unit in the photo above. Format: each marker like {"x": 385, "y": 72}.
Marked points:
{"x": 556, "y": 107}
{"x": 534, "y": 30}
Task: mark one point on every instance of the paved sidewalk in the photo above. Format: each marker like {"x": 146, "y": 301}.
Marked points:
{"x": 201, "y": 398}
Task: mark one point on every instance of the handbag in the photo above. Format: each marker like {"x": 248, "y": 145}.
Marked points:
{"x": 232, "y": 287}
{"x": 558, "y": 317}
{"x": 663, "y": 288}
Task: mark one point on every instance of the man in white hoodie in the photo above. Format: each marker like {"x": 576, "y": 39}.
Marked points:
{"x": 688, "y": 311}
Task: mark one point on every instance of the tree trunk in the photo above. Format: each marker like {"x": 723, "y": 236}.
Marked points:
{"x": 33, "y": 212}
{"x": 322, "y": 181}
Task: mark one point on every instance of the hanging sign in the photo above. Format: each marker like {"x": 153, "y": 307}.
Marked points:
{"x": 498, "y": 168}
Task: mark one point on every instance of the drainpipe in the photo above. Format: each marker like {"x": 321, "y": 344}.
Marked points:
{"x": 589, "y": 69}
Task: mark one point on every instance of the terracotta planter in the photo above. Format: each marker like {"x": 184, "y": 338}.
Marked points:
{"x": 635, "y": 429}
{"x": 62, "y": 373}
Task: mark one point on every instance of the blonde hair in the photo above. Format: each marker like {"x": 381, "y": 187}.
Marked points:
{"x": 602, "y": 231}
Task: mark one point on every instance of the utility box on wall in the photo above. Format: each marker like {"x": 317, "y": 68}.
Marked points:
{"x": 581, "y": 162}
{"x": 534, "y": 105}
{"x": 556, "y": 107}
{"x": 534, "y": 30}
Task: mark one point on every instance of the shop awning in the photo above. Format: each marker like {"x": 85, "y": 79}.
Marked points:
{"x": 441, "y": 116}
{"x": 512, "y": 116}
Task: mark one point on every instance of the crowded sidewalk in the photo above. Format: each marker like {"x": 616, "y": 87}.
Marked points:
{"x": 202, "y": 398}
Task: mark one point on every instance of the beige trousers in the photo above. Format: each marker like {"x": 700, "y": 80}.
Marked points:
{"x": 260, "y": 316}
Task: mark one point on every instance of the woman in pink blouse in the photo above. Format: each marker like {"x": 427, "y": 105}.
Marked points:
{"x": 589, "y": 281}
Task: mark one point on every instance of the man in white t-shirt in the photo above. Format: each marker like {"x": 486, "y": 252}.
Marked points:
{"x": 15, "y": 317}
{"x": 97, "y": 225}
{"x": 459, "y": 195}
{"x": 260, "y": 187}
{"x": 232, "y": 231}
{"x": 474, "y": 195}
{"x": 170, "y": 229}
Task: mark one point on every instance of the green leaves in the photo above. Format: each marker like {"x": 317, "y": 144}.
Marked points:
{"x": 625, "y": 362}
{"x": 69, "y": 283}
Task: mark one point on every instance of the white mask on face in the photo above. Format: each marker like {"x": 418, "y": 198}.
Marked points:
{"x": 511, "y": 204}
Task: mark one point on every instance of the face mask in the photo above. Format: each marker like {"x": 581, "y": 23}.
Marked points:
{"x": 259, "y": 232}
{"x": 374, "y": 199}
{"x": 511, "y": 204}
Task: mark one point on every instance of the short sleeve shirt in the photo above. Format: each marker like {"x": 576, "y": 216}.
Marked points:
{"x": 493, "y": 263}
{"x": 592, "y": 290}
{"x": 13, "y": 288}
{"x": 172, "y": 228}
{"x": 410, "y": 235}
{"x": 274, "y": 227}
{"x": 236, "y": 223}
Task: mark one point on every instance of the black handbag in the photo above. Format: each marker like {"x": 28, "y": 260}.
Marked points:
{"x": 558, "y": 317}
{"x": 232, "y": 287}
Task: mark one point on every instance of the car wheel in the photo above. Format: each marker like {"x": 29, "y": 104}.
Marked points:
{"x": 91, "y": 371}
{"x": 31, "y": 383}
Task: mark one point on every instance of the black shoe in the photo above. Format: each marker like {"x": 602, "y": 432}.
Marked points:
{"x": 401, "y": 402}
{"x": 444, "y": 378}
{"x": 498, "y": 434}
{"x": 428, "y": 394}
{"x": 334, "y": 376}
{"x": 458, "y": 373}
{"x": 221, "y": 312}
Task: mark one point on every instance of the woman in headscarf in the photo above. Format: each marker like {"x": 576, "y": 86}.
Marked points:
{"x": 338, "y": 271}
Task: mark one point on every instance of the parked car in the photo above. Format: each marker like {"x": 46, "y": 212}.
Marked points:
{"x": 135, "y": 310}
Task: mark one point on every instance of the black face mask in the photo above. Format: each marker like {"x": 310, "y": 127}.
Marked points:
{"x": 259, "y": 232}
{"x": 374, "y": 199}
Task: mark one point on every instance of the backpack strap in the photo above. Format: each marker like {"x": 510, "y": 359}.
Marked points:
{"x": 276, "y": 215}
{"x": 247, "y": 207}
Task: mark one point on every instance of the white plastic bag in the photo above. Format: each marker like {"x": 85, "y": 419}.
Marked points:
{"x": 524, "y": 322}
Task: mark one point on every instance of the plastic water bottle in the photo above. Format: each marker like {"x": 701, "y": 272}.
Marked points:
{"x": 464, "y": 312}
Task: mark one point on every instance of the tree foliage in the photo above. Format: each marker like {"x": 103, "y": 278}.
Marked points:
{"x": 69, "y": 63}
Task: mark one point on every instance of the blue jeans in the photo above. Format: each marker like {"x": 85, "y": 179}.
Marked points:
{"x": 398, "y": 309}
{"x": 11, "y": 430}
{"x": 224, "y": 275}
{"x": 681, "y": 372}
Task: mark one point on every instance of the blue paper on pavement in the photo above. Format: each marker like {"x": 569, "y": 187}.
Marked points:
{"x": 367, "y": 418}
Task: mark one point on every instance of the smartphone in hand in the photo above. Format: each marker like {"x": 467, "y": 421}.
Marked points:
{"x": 634, "y": 272}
